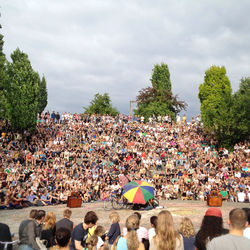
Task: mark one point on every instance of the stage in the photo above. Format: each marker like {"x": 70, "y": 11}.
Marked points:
{"x": 195, "y": 210}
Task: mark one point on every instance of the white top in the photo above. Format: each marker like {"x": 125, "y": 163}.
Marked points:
{"x": 100, "y": 242}
{"x": 151, "y": 233}
{"x": 241, "y": 196}
{"x": 142, "y": 233}
{"x": 246, "y": 233}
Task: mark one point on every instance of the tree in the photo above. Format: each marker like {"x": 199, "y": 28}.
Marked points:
{"x": 215, "y": 95}
{"x": 240, "y": 112}
{"x": 159, "y": 99}
{"x": 2, "y": 77}
{"x": 43, "y": 95}
{"x": 21, "y": 92}
{"x": 101, "y": 105}
{"x": 161, "y": 78}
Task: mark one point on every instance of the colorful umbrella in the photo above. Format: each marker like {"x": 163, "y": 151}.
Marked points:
{"x": 138, "y": 192}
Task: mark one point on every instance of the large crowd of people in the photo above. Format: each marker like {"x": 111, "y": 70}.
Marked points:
{"x": 42, "y": 231}
{"x": 95, "y": 155}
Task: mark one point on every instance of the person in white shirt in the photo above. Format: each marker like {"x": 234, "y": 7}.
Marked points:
{"x": 142, "y": 232}
{"x": 151, "y": 231}
{"x": 241, "y": 196}
{"x": 246, "y": 232}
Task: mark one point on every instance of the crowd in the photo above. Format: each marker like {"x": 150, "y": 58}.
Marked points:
{"x": 42, "y": 231}
{"x": 95, "y": 155}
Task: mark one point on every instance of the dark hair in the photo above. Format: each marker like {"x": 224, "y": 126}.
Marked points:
{"x": 238, "y": 218}
{"x": 247, "y": 210}
{"x": 138, "y": 214}
{"x": 90, "y": 217}
{"x": 67, "y": 213}
{"x": 153, "y": 220}
{"x": 40, "y": 214}
{"x": 211, "y": 227}
{"x": 63, "y": 236}
{"x": 33, "y": 213}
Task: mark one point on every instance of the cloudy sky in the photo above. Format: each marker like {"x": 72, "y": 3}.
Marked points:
{"x": 83, "y": 47}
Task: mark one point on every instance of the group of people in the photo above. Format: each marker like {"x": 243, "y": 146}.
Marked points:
{"x": 41, "y": 231}
{"x": 95, "y": 155}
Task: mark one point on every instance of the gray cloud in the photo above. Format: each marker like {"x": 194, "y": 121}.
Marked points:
{"x": 85, "y": 47}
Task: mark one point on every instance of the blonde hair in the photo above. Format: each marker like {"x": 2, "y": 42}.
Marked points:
{"x": 49, "y": 221}
{"x": 186, "y": 228}
{"x": 114, "y": 217}
{"x": 132, "y": 224}
{"x": 166, "y": 235}
{"x": 92, "y": 242}
{"x": 99, "y": 231}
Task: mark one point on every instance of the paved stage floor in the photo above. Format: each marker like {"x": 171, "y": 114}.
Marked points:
{"x": 195, "y": 210}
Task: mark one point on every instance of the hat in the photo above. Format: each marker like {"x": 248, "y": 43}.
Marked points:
{"x": 214, "y": 211}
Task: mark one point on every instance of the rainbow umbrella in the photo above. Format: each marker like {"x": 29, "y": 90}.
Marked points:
{"x": 138, "y": 192}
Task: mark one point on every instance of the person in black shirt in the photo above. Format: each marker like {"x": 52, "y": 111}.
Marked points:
{"x": 5, "y": 236}
{"x": 65, "y": 222}
{"x": 80, "y": 232}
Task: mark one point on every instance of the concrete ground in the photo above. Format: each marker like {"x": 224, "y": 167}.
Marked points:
{"x": 195, "y": 210}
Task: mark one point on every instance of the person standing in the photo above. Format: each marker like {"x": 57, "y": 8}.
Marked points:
{"x": 234, "y": 240}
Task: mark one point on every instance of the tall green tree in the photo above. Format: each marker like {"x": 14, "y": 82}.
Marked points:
{"x": 21, "y": 92}
{"x": 161, "y": 78}
{"x": 215, "y": 95}
{"x": 240, "y": 112}
{"x": 2, "y": 77}
{"x": 43, "y": 95}
{"x": 101, "y": 105}
{"x": 159, "y": 99}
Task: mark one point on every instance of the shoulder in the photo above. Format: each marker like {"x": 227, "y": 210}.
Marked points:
{"x": 116, "y": 225}
{"x": 143, "y": 229}
{"x": 246, "y": 233}
{"x": 78, "y": 228}
{"x": 122, "y": 241}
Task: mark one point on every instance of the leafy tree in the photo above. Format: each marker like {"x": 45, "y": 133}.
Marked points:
{"x": 2, "y": 77}
{"x": 43, "y": 95}
{"x": 161, "y": 78}
{"x": 240, "y": 113}
{"x": 21, "y": 92}
{"x": 215, "y": 95}
{"x": 101, "y": 105}
{"x": 159, "y": 99}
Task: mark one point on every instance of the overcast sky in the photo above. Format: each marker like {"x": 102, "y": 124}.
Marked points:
{"x": 84, "y": 47}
